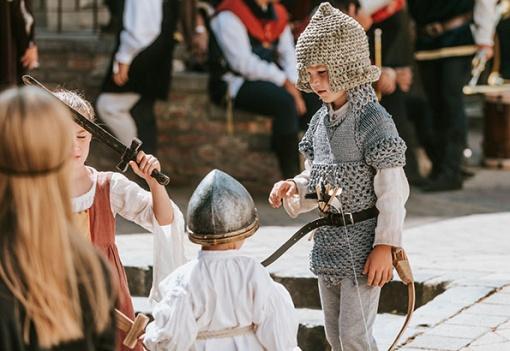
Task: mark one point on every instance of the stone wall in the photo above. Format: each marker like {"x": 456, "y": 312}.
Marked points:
{"x": 192, "y": 132}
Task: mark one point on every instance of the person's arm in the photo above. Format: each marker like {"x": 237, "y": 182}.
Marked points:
{"x": 371, "y": 6}
{"x": 155, "y": 212}
{"x": 274, "y": 313}
{"x": 141, "y": 25}
{"x": 287, "y": 55}
{"x": 297, "y": 204}
{"x": 234, "y": 42}
{"x": 161, "y": 204}
{"x": 174, "y": 327}
{"x": 392, "y": 191}
{"x": 484, "y": 16}
{"x": 385, "y": 151}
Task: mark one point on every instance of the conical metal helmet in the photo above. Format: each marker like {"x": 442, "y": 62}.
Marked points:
{"x": 220, "y": 211}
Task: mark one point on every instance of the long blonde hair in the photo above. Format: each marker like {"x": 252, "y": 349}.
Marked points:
{"x": 43, "y": 262}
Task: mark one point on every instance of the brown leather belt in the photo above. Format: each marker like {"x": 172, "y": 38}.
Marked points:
{"x": 436, "y": 29}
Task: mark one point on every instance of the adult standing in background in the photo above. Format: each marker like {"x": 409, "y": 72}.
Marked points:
{"x": 140, "y": 70}
{"x": 448, "y": 34}
{"x": 17, "y": 46}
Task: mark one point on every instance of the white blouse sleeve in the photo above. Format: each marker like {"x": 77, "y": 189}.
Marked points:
{"x": 130, "y": 201}
{"x": 392, "y": 191}
{"x": 297, "y": 204}
{"x": 234, "y": 42}
{"x": 287, "y": 55}
{"x": 484, "y": 16}
{"x": 275, "y": 316}
{"x": 168, "y": 251}
{"x": 174, "y": 327}
{"x": 142, "y": 24}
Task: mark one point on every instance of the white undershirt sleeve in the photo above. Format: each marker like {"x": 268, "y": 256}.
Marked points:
{"x": 392, "y": 191}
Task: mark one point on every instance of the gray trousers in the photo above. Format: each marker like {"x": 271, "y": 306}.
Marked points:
{"x": 345, "y": 328}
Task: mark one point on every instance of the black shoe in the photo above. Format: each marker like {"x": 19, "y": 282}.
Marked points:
{"x": 418, "y": 181}
{"x": 443, "y": 182}
{"x": 466, "y": 173}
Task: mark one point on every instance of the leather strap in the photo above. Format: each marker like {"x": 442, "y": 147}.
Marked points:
{"x": 436, "y": 29}
{"x": 403, "y": 268}
{"x": 333, "y": 219}
{"x": 295, "y": 238}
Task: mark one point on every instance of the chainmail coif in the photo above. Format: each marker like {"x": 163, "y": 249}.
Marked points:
{"x": 339, "y": 42}
{"x": 347, "y": 153}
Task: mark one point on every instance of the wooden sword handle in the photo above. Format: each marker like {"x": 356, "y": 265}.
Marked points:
{"x": 133, "y": 328}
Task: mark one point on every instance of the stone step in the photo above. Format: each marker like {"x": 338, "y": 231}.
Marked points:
{"x": 305, "y": 293}
{"x": 311, "y": 335}
{"x": 291, "y": 270}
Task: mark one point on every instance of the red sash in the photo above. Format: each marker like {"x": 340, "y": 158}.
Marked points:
{"x": 265, "y": 31}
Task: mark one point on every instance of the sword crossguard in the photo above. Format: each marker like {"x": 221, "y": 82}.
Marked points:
{"x": 130, "y": 155}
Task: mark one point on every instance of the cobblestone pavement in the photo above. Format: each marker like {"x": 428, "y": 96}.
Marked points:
{"x": 458, "y": 238}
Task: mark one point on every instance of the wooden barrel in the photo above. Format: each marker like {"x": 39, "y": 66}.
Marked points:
{"x": 496, "y": 131}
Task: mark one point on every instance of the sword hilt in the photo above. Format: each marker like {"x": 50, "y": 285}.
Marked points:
{"x": 130, "y": 155}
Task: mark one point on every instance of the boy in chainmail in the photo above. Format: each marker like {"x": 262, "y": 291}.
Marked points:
{"x": 351, "y": 143}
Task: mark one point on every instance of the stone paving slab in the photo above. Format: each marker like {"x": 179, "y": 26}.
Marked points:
{"x": 470, "y": 254}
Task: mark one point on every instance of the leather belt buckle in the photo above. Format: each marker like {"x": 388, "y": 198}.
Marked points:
{"x": 351, "y": 218}
{"x": 434, "y": 29}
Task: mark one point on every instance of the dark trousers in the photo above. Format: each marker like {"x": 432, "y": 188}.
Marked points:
{"x": 269, "y": 99}
{"x": 443, "y": 80}
{"x": 145, "y": 120}
{"x": 396, "y": 106}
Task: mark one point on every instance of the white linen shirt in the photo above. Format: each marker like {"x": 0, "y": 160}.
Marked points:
{"x": 217, "y": 291}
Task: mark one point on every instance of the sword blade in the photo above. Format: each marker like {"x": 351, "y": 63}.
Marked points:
{"x": 295, "y": 238}
{"x": 97, "y": 131}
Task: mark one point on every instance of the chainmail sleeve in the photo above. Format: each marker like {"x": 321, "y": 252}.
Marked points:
{"x": 306, "y": 144}
{"x": 382, "y": 146}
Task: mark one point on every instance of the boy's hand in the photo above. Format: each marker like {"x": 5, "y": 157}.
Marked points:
{"x": 282, "y": 189}
{"x": 379, "y": 267}
{"x": 144, "y": 166}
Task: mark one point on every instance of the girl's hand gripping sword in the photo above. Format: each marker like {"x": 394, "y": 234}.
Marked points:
{"x": 127, "y": 153}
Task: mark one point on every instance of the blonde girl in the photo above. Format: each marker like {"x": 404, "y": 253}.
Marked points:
{"x": 54, "y": 287}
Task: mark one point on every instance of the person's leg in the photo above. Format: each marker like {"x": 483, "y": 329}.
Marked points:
{"x": 268, "y": 99}
{"x": 145, "y": 120}
{"x": 430, "y": 74}
{"x": 330, "y": 302}
{"x": 114, "y": 110}
{"x": 358, "y": 309}
{"x": 395, "y": 104}
{"x": 454, "y": 73}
